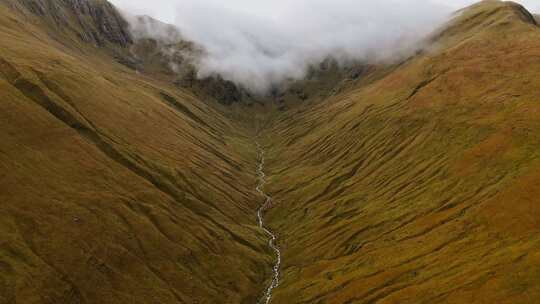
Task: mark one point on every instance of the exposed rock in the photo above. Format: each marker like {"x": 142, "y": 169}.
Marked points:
{"x": 222, "y": 90}
{"x": 92, "y": 21}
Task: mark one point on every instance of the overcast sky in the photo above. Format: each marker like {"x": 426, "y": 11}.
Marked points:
{"x": 260, "y": 43}
{"x": 165, "y": 10}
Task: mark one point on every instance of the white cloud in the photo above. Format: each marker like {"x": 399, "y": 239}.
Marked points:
{"x": 165, "y": 10}
{"x": 259, "y": 43}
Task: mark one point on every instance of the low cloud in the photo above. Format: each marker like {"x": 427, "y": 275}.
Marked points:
{"x": 259, "y": 44}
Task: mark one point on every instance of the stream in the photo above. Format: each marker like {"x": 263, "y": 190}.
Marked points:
{"x": 271, "y": 236}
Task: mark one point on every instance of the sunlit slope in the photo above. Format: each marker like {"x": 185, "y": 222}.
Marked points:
{"x": 115, "y": 188}
{"x": 423, "y": 186}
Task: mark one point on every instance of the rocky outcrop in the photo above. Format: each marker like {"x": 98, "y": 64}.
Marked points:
{"x": 93, "y": 21}
{"x": 104, "y": 17}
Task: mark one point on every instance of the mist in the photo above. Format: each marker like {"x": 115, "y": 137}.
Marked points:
{"x": 260, "y": 44}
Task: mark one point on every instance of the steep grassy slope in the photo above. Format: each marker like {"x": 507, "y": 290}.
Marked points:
{"x": 422, "y": 186}
{"x": 116, "y": 188}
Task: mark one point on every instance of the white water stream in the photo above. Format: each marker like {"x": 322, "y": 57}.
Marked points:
{"x": 272, "y": 237}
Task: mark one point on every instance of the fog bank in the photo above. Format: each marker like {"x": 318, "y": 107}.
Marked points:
{"x": 258, "y": 44}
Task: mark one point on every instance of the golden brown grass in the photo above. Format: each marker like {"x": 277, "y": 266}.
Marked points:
{"x": 419, "y": 187}
{"x": 416, "y": 183}
{"x": 117, "y": 188}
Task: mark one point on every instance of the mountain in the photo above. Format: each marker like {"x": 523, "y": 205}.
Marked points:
{"x": 116, "y": 187}
{"x": 123, "y": 180}
{"x": 420, "y": 187}
{"x": 92, "y": 21}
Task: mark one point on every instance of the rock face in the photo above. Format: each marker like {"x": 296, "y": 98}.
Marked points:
{"x": 110, "y": 25}
{"x": 93, "y": 21}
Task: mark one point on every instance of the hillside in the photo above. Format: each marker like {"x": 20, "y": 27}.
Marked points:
{"x": 117, "y": 188}
{"x": 124, "y": 181}
{"x": 421, "y": 187}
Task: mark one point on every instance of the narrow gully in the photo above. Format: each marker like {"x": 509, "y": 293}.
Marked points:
{"x": 267, "y": 296}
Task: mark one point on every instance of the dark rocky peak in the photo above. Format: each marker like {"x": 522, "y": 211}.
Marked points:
{"x": 106, "y": 19}
{"x": 93, "y": 21}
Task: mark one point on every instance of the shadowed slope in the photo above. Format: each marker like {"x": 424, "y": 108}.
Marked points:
{"x": 420, "y": 187}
